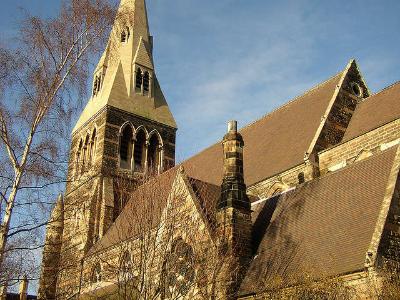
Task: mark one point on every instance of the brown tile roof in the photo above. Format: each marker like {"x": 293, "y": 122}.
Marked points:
{"x": 323, "y": 227}
{"x": 208, "y": 195}
{"x": 144, "y": 208}
{"x": 274, "y": 143}
{"x": 375, "y": 111}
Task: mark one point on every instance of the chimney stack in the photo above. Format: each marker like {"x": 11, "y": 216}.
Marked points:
{"x": 233, "y": 192}
{"x": 233, "y": 214}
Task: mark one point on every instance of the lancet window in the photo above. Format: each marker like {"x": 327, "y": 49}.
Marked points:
{"x": 126, "y": 147}
{"x": 125, "y": 34}
{"x": 97, "y": 84}
{"x": 139, "y": 80}
{"x": 146, "y": 82}
{"x": 140, "y": 150}
{"x": 154, "y": 154}
{"x": 96, "y": 274}
{"x": 142, "y": 82}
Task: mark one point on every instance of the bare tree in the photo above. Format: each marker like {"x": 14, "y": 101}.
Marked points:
{"x": 163, "y": 246}
{"x": 40, "y": 79}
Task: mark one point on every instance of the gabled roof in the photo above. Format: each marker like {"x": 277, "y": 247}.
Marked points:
{"x": 323, "y": 227}
{"x": 375, "y": 111}
{"x": 148, "y": 202}
{"x": 274, "y": 143}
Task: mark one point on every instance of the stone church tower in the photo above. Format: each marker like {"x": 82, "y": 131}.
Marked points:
{"x": 125, "y": 132}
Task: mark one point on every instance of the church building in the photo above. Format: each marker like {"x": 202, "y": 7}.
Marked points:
{"x": 308, "y": 193}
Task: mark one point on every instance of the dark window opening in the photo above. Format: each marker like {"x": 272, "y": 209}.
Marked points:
{"x": 125, "y": 35}
{"x": 139, "y": 150}
{"x": 96, "y": 273}
{"x": 153, "y": 154}
{"x": 97, "y": 84}
{"x": 139, "y": 79}
{"x": 93, "y": 146}
{"x": 125, "y": 151}
{"x": 301, "y": 178}
{"x": 146, "y": 81}
{"x": 356, "y": 89}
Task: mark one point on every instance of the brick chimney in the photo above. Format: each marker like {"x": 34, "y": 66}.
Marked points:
{"x": 234, "y": 212}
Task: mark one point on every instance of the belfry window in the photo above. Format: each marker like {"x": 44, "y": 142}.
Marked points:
{"x": 153, "y": 154}
{"x": 139, "y": 151}
{"x": 139, "y": 80}
{"x": 97, "y": 84}
{"x": 125, "y": 35}
{"x": 146, "y": 81}
{"x": 126, "y": 145}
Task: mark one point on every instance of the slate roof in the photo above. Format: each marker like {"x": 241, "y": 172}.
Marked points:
{"x": 322, "y": 228}
{"x": 274, "y": 143}
{"x": 374, "y": 112}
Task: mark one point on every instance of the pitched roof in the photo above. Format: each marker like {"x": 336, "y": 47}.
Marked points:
{"x": 375, "y": 111}
{"x": 146, "y": 203}
{"x": 322, "y": 228}
{"x": 274, "y": 143}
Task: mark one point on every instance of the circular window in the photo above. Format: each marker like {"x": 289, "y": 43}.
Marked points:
{"x": 356, "y": 89}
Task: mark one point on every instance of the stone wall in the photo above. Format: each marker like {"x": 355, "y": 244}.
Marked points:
{"x": 116, "y": 119}
{"x": 282, "y": 181}
{"x": 374, "y": 141}
{"x": 389, "y": 247}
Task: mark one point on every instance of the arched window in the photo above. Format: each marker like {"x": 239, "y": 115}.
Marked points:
{"x": 98, "y": 81}
{"x": 78, "y": 158}
{"x": 125, "y": 150}
{"x": 93, "y": 147}
{"x": 153, "y": 154}
{"x": 178, "y": 270}
{"x": 95, "y": 86}
{"x": 96, "y": 274}
{"x": 146, "y": 81}
{"x": 85, "y": 154}
{"x": 139, "y": 152}
{"x": 125, "y": 35}
{"x": 126, "y": 267}
{"x": 139, "y": 80}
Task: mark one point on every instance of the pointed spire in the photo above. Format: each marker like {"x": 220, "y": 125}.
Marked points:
{"x": 128, "y": 52}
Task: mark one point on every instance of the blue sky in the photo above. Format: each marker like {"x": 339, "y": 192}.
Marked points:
{"x": 225, "y": 59}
